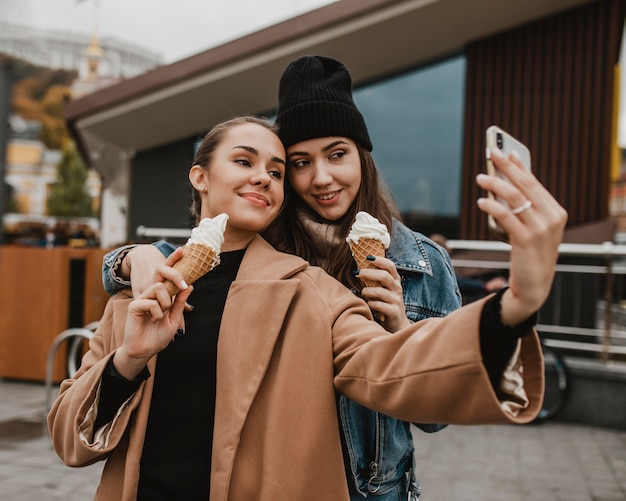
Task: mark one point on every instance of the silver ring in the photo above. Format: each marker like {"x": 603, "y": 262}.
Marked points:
{"x": 525, "y": 206}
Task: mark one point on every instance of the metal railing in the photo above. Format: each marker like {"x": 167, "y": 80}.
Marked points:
{"x": 575, "y": 318}
{"x": 75, "y": 337}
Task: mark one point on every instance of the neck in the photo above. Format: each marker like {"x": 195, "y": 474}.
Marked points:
{"x": 237, "y": 241}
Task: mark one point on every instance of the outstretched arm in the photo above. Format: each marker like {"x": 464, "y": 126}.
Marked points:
{"x": 534, "y": 234}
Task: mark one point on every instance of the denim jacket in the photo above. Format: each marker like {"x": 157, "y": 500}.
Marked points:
{"x": 380, "y": 448}
{"x": 380, "y": 453}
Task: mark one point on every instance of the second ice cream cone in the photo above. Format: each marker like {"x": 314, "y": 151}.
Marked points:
{"x": 367, "y": 247}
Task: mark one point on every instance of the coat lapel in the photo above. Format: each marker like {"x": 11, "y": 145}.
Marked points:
{"x": 258, "y": 302}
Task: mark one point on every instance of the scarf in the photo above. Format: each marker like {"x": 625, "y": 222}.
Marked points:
{"x": 324, "y": 236}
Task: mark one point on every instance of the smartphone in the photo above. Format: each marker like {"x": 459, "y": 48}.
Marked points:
{"x": 497, "y": 138}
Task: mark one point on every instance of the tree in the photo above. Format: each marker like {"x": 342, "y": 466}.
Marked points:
{"x": 40, "y": 93}
{"x": 68, "y": 195}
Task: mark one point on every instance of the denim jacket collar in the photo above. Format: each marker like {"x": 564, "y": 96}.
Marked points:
{"x": 407, "y": 250}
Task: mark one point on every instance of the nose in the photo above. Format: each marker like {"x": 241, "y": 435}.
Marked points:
{"x": 261, "y": 177}
{"x": 321, "y": 176}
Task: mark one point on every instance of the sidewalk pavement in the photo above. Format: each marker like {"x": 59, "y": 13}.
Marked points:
{"x": 548, "y": 462}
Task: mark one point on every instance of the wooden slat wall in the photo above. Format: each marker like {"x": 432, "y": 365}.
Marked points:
{"x": 551, "y": 84}
{"x": 34, "y": 299}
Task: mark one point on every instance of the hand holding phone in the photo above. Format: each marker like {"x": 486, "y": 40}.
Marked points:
{"x": 497, "y": 138}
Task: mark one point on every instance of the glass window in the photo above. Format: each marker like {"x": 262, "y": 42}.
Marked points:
{"x": 415, "y": 121}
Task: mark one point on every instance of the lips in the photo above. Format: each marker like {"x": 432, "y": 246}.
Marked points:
{"x": 326, "y": 197}
{"x": 256, "y": 199}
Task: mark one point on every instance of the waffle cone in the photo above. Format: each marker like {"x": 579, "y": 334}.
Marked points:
{"x": 367, "y": 247}
{"x": 197, "y": 260}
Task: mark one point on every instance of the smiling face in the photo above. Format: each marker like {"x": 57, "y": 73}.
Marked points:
{"x": 245, "y": 179}
{"x": 326, "y": 174}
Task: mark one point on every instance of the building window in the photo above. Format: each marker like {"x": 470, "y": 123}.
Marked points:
{"x": 415, "y": 122}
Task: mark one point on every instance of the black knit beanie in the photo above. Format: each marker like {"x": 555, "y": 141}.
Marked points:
{"x": 315, "y": 100}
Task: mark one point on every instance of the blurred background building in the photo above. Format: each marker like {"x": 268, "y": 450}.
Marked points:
{"x": 430, "y": 76}
{"x": 79, "y": 65}
{"x": 69, "y": 51}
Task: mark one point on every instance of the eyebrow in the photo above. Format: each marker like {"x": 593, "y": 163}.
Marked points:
{"x": 324, "y": 149}
{"x": 254, "y": 151}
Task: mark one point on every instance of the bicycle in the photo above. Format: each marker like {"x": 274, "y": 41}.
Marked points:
{"x": 556, "y": 385}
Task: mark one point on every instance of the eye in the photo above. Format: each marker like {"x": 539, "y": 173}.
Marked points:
{"x": 337, "y": 154}
{"x": 243, "y": 161}
{"x": 300, "y": 163}
{"x": 276, "y": 173}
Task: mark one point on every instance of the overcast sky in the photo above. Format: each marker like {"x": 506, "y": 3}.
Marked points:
{"x": 174, "y": 28}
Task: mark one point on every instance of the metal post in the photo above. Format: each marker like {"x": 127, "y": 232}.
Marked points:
{"x": 5, "y": 109}
{"x": 608, "y": 309}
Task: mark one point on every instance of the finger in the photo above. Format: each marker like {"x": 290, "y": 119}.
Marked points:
{"x": 174, "y": 256}
{"x": 523, "y": 179}
{"x": 382, "y": 278}
{"x": 502, "y": 190}
{"x": 383, "y": 294}
{"x": 164, "y": 272}
{"x": 386, "y": 264}
{"x": 180, "y": 303}
{"x": 145, "y": 306}
{"x": 509, "y": 222}
{"x": 163, "y": 296}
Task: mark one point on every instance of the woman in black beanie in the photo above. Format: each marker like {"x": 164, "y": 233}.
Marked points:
{"x": 332, "y": 176}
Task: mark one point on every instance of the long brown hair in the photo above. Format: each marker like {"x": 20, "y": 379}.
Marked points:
{"x": 209, "y": 144}
{"x": 288, "y": 234}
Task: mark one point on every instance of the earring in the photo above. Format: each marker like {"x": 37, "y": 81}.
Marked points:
{"x": 203, "y": 188}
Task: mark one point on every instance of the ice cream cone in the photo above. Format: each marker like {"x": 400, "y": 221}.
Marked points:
{"x": 197, "y": 260}
{"x": 201, "y": 253}
{"x": 363, "y": 248}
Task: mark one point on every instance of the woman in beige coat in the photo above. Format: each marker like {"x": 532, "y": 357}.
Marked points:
{"x": 290, "y": 338}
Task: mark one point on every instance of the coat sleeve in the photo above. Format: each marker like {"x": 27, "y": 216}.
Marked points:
{"x": 432, "y": 371}
{"x": 72, "y": 416}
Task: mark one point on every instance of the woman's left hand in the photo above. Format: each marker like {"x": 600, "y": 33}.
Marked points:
{"x": 535, "y": 229}
{"x": 387, "y": 299}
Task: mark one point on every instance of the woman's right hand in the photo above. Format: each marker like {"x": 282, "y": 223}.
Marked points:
{"x": 152, "y": 322}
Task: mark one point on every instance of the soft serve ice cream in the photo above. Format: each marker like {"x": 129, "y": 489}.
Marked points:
{"x": 201, "y": 253}
{"x": 367, "y": 226}
{"x": 368, "y": 237}
{"x": 209, "y": 232}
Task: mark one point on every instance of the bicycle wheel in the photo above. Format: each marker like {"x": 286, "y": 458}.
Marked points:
{"x": 556, "y": 384}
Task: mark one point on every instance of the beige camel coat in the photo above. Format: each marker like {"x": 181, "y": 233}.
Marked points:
{"x": 290, "y": 338}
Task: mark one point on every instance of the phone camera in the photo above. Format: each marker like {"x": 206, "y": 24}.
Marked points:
{"x": 499, "y": 141}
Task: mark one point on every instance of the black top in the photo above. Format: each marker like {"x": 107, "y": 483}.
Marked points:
{"x": 176, "y": 458}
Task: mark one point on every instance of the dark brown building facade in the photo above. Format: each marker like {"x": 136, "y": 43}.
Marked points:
{"x": 551, "y": 83}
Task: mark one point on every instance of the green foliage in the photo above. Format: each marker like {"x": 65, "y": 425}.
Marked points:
{"x": 39, "y": 93}
{"x": 69, "y": 196}
{"x": 13, "y": 206}
{"x": 46, "y": 77}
